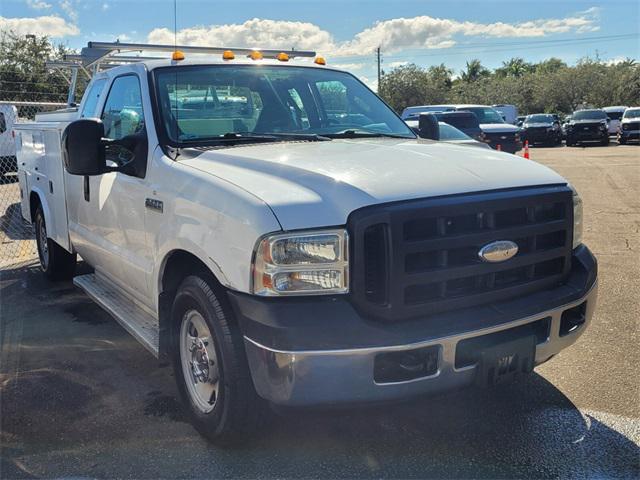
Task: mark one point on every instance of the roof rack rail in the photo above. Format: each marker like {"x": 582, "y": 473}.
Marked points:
{"x": 98, "y": 52}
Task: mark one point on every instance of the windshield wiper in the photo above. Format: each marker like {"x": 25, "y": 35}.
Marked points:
{"x": 351, "y": 133}
{"x": 250, "y": 137}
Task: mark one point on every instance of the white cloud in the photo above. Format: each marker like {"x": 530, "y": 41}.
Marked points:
{"x": 50, "y": 25}
{"x": 252, "y": 33}
{"x": 392, "y": 35}
{"x": 38, "y": 4}
{"x": 68, "y": 7}
{"x": 105, "y": 7}
{"x": 397, "y": 64}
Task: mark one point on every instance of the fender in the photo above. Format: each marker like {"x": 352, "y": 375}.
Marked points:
{"x": 48, "y": 218}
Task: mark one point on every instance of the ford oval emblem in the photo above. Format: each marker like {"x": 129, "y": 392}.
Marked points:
{"x": 498, "y": 251}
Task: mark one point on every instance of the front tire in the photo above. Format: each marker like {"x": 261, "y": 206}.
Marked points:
{"x": 55, "y": 262}
{"x": 210, "y": 364}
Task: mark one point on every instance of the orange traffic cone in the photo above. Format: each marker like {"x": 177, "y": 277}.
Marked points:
{"x": 526, "y": 149}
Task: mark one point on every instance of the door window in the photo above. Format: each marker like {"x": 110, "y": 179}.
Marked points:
{"x": 93, "y": 95}
{"x": 3, "y": 123}
{"x": 122, "y": 114}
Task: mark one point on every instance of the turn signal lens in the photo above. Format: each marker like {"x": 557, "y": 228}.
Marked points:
{"x": 228, "y": 55}
{"x": 177, "y": 55}
{"x": 283, "y": 57}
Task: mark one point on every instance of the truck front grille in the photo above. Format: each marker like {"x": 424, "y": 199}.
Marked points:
{"x": 417, "y": 258}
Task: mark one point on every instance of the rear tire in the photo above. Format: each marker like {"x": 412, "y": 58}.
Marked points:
{"x": 55, "y": 262}
{"x": 210, "y": 364}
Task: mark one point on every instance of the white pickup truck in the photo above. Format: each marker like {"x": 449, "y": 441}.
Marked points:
{"x": 280, "y": 235}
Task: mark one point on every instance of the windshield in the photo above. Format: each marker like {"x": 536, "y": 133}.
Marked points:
{"x": 485, "y": 114}
{"x": 589, "y": 115}
{"x": 206, "y": 103}
{"x": 447, "y": 132}
{"x": 632, "y": 113}
{"x": 414, "y": 112}
{"x": 539, "y": 118}
{"x": 614, "y": 115}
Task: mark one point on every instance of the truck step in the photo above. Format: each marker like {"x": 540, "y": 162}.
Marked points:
{"x": 135, "y": 319}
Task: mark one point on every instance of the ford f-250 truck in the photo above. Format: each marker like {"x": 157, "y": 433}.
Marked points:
{"x": 279, "y": 234}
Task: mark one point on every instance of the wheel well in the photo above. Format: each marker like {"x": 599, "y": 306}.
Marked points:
{"x": 177, "y": 266}
{"x": 34, "y": 202}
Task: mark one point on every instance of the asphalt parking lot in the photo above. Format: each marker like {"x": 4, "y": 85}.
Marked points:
{"x": 81, "y": 398}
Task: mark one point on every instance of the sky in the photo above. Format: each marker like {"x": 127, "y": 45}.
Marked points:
{"x": 348, "y": 32}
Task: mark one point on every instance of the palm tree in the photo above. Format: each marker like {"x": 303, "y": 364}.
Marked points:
{"x": 475, "y": 70}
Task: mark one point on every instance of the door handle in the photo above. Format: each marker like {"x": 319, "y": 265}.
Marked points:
{"x": 87, "y": 193}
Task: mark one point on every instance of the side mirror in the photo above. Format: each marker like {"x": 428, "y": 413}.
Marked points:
{"x": 428, "y": 126}
{"x": 82, "y": 147}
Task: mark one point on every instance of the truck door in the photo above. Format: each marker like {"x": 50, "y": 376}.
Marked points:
{"x": 111, "y": 217}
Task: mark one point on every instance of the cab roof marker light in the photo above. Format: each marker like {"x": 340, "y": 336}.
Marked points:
{"x": 177, "y": 55}
{"x": 228, "y": 55}
{"x": 283, "y": 57}
{"x": 256, "y": 55}
{"x": 320, "y": 61}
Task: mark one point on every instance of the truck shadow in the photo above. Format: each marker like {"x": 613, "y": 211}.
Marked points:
{"x": 13, "y": 226}
{"x": 526, "y": 429}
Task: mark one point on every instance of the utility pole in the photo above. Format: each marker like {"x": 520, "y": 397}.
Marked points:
{"x": 379, "y": 56}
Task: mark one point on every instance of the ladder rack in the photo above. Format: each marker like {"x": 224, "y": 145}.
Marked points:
{"x": 98, "y": 56}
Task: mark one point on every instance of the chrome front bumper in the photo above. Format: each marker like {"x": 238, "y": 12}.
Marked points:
{"x": 321, "y": 377}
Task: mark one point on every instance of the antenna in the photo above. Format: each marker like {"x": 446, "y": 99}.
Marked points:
{"x": 175, "y": 88}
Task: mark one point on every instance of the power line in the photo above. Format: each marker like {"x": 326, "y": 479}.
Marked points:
{"x": 525, "y": 43}
{"x": 505, "y": 47}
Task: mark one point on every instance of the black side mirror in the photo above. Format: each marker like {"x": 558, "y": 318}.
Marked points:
{"x": 428, "y": 126}
{"x": 82, "y": 147}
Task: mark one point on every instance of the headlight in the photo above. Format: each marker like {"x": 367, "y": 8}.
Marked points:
{"x": 577, "y": 218}
{"x": 303, "y": 263}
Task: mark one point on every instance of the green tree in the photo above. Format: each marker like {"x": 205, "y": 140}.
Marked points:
{"x": 23, "y": 75}
{"x": 515, "y": 67}
{"x": 411, "y": 85}
{"x": 474, "y": 71}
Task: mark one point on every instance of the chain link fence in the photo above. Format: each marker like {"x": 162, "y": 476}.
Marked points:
{"x": 17, "y": 243}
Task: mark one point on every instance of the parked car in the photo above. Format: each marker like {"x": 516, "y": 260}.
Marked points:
{"x": 588, "y": 126}
{"x": 412, "y": 113}
{"x": 520, "y": 120}
{"x": 448, "y": 133}
{"x": 466, "y": 122}
{"x": 564, "y": 125}
{"x": 509, "y": 113}
{"x": 307, "y": 252}
{"x": 541, "y": 128}
{"x": 8, "y": 117}
{"x": 496, "y": 130}
{"x": 615, "y": 116}
{"x": 629, "y": 126}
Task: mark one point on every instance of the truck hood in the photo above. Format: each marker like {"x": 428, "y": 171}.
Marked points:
{"x": 316, "y": 184}
{"x": 499, "y": 127}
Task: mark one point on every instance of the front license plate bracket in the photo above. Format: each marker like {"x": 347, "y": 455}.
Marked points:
{"x": 503, "y": 362}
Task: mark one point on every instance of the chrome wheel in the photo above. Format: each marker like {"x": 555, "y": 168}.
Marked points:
{"x": 43, "y": 245}
{"x": 199, "y": 361}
